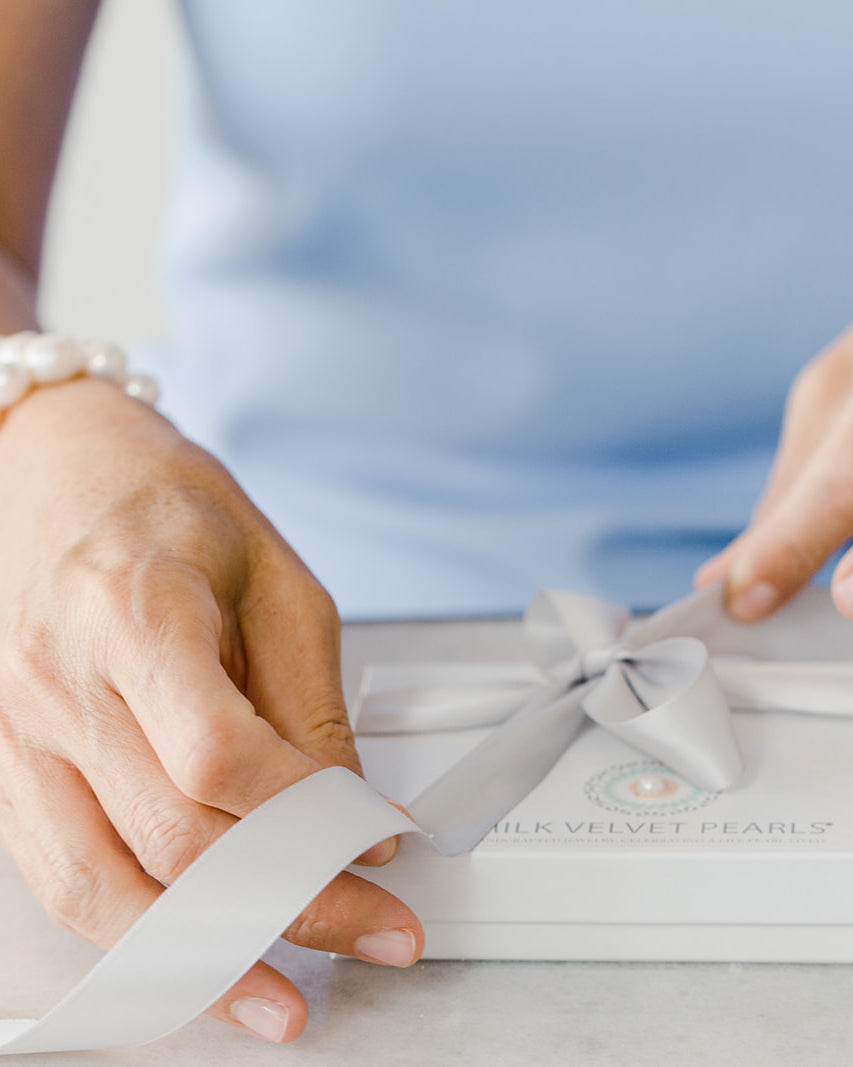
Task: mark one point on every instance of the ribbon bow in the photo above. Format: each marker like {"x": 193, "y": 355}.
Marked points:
{"x": 663, "y": 684}
{"x": 657, "y": 682}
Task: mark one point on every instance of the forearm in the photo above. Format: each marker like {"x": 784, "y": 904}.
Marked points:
{"x": 41, "y": 48}
{"x": 17, "y": 296}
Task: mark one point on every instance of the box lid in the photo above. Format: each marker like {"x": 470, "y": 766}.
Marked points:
{"x": 610, "y": 836}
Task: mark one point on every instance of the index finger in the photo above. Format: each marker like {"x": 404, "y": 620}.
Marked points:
{"x": 206, "y": 734}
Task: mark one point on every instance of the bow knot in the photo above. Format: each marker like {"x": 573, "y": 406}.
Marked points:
{"x": 650, "y": 681}
{"x": 594, "y": 663}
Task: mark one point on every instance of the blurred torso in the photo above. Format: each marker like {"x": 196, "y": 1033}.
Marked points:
{"x": 494, "y": 295}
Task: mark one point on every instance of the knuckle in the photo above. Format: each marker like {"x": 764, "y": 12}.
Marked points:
{"x": 27, "y": 650}
{"x": 310, "y": 930}
{"x": 315, "y": 618}
{"x": 796, "y": 560}
{"x": 810, "y": 374}
{"x": 130, "y": 598}
{"x": 157, "y": 600}
{"x": 210, "y": 765}
{"x": 329, "y": 737}
{"x": 170, "y": 841}
{"x": 71, "y": 892}
{"x": 324, "y": 607}
{"x": 332, "y": 729}
{"x": 38, "y": 668}
{"x": 811, "y": 388}
{"x": 823, "y": 381}
{"x": 317, "y": 611}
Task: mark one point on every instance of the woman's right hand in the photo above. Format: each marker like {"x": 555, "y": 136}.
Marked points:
{"x": 167, "y": 663}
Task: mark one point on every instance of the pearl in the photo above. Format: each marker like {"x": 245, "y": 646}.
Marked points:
{"x": 52, "y": 359}
{"x": 28, "y": 359}
{"x": 142, "y": 387}
{"x": 12, "y": 348}
{"x": 103, "y": 360}
{"x": 15, "y": 381}
{"x": 651, "y": 786}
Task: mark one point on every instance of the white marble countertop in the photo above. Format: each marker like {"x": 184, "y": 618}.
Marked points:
{"x": 589, "y": 1014}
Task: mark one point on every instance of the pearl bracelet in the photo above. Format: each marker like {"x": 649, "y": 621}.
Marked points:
{"x": 30, "y": 359}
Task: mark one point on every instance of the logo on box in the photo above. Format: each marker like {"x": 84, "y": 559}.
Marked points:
{"x": 645, "y": 787}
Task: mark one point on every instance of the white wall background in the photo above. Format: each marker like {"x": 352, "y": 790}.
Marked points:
{"x": 101, "y": 258}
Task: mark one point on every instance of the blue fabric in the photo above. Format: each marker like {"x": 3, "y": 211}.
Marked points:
{"x": 478, "y": 297}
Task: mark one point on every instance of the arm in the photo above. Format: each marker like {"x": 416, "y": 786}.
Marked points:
{"x": 41, "y": 50}
{"x": 166, "y": 661}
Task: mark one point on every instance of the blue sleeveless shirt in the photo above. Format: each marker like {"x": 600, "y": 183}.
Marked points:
{"x": 476, "y": 297}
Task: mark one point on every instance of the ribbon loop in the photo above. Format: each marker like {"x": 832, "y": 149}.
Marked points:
{"x": 560, "y": 625}
{"x": 666, "y": 701}
{"x": 650, "y": 681}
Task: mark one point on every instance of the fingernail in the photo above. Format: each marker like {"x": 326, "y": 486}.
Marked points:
{"x": 263, "y": 1017}
{"x": 380, "y": 854}
{"x": 394, "y": 947}
{"x": 842, "y": 594}
{"x": 754, "y": 602}
{"x": 710, "y": 571}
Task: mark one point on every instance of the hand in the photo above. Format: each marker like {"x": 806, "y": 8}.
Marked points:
{"x": 166, "y": 664}
{"x": 806, "y": 510}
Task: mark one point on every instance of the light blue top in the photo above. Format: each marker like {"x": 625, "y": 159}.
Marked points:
{"x": 478, "y": 297}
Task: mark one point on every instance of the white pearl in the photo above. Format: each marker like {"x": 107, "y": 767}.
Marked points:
{"x": 12, "y": 348}
{"x": 15, "y": 381}
{"x": 142, "y": 387}
{"x": 52, "y": 359}
{"x": 651, "y": 785}
{"x": 103, "y": 360}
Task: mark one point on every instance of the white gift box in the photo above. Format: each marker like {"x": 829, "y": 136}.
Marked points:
{"x": 614, "y": 856}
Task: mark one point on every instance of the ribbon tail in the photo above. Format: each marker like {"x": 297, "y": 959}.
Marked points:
{"x": 460, "y": 807}
{"x": 816, "y": 688}
{"x": 209, "y": 927}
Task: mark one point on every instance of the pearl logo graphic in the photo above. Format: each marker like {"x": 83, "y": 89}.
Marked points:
{"x": 645, "y": 787}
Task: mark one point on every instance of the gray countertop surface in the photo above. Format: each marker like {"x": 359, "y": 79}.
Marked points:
{"x": 495, "y": 1013}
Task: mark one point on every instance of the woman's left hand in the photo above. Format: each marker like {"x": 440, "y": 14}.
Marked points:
{"x": 806, "y": 510}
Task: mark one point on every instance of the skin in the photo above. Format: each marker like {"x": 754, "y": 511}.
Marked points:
{"x": 806, "y": 510}
{"x": 166, "y": 661}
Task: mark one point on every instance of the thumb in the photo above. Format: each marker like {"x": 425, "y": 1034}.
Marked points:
{"x": 715, "y": 569}
{"x": 293, "y": 655}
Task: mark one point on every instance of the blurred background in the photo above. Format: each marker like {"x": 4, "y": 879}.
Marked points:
{"x": 101, "y": 258}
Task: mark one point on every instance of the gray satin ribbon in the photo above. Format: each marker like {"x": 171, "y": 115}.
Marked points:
{"x": 659, "y": 683}
{"x": 663, "y": 684}
{"x": 217, "y": 919}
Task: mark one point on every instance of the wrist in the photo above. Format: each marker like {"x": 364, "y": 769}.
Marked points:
{"x": 73, "y": 453}
{"x": 84, "y": 416}
{"x": 29, "y": 360}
